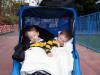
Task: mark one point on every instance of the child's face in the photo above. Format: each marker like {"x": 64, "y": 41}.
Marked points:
{"x": 62, "y": 39}
{"x": 33, "y": 36}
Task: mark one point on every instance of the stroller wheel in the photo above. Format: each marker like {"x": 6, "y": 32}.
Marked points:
{"x": 41, "y": 72}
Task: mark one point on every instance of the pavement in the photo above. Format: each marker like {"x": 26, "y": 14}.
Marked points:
{"x": 89, "y": 60}
{"x": 7, "y": 43}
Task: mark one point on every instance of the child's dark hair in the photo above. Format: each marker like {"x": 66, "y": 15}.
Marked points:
{"x": 25, "y": 38}
{"x": 27, "y": 29}
{"x": 43, "y": 33}
{"x": 67, "y": 33}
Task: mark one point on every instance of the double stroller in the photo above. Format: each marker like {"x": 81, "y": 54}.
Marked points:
{"x": 52, "y": 19}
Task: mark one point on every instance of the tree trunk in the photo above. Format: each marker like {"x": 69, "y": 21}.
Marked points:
{"x": 0, "y": 7}
{"x": 10, "y": 7}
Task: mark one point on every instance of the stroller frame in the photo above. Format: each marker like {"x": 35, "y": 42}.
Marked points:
{"x": 17, "y": 65}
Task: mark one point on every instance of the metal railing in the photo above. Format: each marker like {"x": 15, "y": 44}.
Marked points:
{"x": 88, "y": 31}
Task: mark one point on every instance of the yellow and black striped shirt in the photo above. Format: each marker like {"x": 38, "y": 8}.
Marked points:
{"x": 47, "y": 46}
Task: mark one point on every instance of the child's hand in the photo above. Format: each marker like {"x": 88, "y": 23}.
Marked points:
{"x": 58, "y": 44}
{"x": 50, "y": 55}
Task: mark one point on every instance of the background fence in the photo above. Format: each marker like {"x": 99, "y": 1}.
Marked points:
{"x": 88, "y": 31}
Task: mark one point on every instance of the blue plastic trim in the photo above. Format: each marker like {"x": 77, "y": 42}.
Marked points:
{"x": 88, "y": 41}
{"x": 16, "y": 68}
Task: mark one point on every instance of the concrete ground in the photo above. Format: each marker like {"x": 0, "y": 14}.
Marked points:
{"x": 7, "y": 43}
{"x": 89, "y": 60}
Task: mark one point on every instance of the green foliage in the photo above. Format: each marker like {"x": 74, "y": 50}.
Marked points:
{"x": 10, "y": 7}
{"x": 26, "y": 4}
{"x": 16, "y": 4}
{"x": 3, "y": 20}
{"x": 12, "y": 20}
{"x": 80, "y": 9}
{"x": 84, "y": 7}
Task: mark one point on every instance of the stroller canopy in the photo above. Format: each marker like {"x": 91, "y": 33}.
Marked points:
{"x": 53, "y": 19}
{"x": 46, "y": 12}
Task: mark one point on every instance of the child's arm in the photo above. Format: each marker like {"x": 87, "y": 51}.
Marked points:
{"x": 39, "y": 44}
{"x": 49, "y": 45}
{"x": 48, "y": 52}
{"x": 47, "y": 48}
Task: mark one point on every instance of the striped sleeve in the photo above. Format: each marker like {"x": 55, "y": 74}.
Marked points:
{"x": 49, "y": 45}
{"x": 40, "y": 44}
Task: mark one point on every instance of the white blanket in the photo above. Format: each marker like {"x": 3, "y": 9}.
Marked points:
{"x": 60, "y": 64}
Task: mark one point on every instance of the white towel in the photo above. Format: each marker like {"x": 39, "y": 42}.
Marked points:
{"x": 36, "y": 59}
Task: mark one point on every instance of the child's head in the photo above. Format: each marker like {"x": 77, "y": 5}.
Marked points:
{"x": 31, "y": 33}
{"x": 64, "y": 36}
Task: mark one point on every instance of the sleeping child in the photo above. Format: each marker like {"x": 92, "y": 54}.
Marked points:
{"x": 57, "y": 60}
{"x": 30, "y": 35}
{"x": 63, "y": 37}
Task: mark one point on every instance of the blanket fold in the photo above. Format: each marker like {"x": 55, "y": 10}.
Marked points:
{"x": 60, "y": 64}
